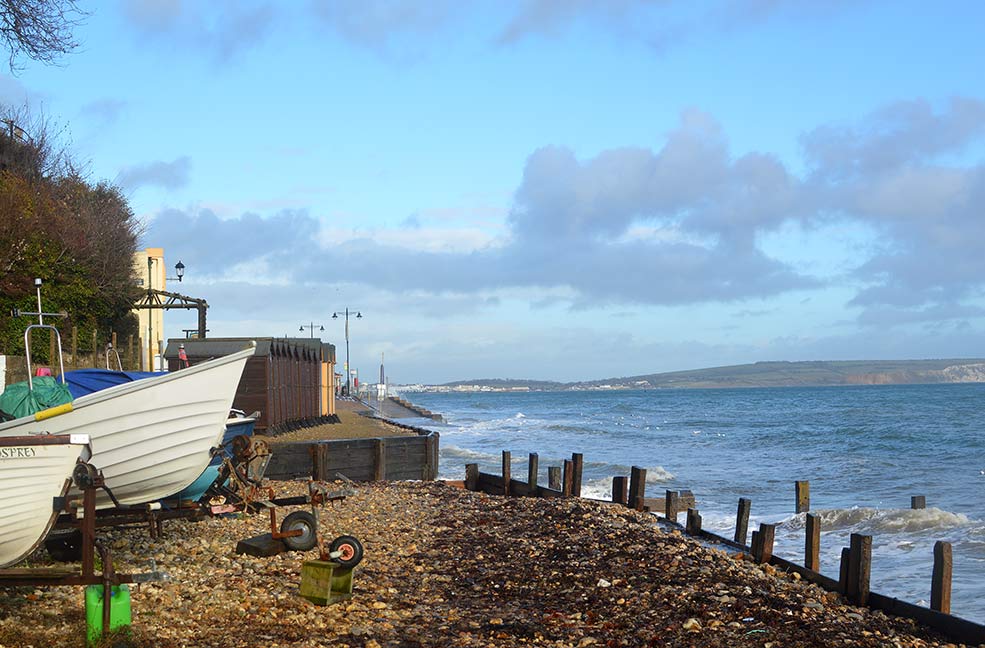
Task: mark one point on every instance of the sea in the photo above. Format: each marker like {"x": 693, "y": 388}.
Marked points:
{"x": 864, "y": 449}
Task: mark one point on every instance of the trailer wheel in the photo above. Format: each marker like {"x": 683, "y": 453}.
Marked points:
{"x": 351, "y": 549}
{"x": 64, "y": 546}
{"x": 300, "y": 521}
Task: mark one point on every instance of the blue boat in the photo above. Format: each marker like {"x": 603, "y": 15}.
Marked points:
{"x": 236, "y": 425}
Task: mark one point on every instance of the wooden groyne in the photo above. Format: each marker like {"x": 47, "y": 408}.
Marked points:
{"x": 856, "y": 559}
{"x": 396, "y": 457}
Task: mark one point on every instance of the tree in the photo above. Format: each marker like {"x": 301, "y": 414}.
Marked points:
{"x": 41, "y": 30}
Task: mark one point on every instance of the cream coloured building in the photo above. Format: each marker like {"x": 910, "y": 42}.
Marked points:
{"x": 151, "y": 272}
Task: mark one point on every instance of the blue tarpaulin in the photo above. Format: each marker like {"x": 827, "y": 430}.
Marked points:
{"x": 86, "y": 381}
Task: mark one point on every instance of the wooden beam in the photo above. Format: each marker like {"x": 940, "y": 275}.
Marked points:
{"x": 742, "y": 520}
{"x": 940, "y": 588}
{"x": 620, "y": 492}
{"x": 672, "y": 507}
{"x": 577, "y": 461}
{"x": 693, "y": 526}
{"x": 533, "y": 466}
{"x": 472, "y": 476}
{"x": 637, "y": 488}
{"x": 812, "y": 543}
{"x": 567, "y": 486}
{"x": 507, "y": 472}
{"x": 379, "y": 459}
{"x": 859, "y": 568}
{"x": 554, "y": 478}
{"x": 803, "y": 493}
{"x": 918, "y": 502}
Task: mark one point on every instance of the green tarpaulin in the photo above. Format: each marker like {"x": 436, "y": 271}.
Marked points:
{"x": 18, "y": 400}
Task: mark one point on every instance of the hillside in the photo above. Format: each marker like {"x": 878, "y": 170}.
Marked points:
{"x": 765, "y": 374}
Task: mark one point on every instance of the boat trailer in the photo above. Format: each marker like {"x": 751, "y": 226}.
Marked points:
{"x": 87, "y": 479}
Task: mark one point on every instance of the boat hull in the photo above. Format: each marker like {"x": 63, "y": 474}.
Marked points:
{"x": 150, "y": 438}
{"x": 33, "y": 471}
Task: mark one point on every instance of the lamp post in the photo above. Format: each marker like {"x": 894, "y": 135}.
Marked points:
{"x": 311, "y": 328}
{"x": 348, "y": 370}
{"x": 179, "y": 269}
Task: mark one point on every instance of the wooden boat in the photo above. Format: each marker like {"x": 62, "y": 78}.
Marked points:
{"x": 150, "y": 438}
{"x": 33, "y": 471}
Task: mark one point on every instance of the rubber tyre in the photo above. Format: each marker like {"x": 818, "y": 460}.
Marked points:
{"x": 304, "y": 521}
{"x": 351, "y": 548}
{"x": 64, "y": 546}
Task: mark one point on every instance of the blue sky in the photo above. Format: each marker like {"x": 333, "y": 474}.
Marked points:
{"x": 549, "y": 189}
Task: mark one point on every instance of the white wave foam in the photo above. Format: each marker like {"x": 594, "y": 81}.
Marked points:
{"x": 872, "y": 521}
{"x": 454, "y": 452}
{"x": 658, "y": 475}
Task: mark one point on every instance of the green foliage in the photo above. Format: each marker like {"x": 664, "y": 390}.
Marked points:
{"x": 78, "y": 237}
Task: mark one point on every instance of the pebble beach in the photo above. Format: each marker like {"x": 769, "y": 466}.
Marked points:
{"x": 448, "y": 567}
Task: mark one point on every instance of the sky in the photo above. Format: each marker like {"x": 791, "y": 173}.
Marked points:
{"x": 548, "y": 189}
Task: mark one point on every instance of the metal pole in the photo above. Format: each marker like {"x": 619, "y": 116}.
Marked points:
{"x": 348, "y": 367}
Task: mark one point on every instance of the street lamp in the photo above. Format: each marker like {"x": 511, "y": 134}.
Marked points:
{"x": 348, "y": 370}
{"x": 311, "y": 328}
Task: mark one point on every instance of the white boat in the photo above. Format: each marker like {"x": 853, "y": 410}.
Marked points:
{"x": 33, "y": 470}
{"x": 150, "y": 438}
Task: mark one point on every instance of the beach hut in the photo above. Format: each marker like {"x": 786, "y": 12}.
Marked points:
{"x": 289, "y": 380}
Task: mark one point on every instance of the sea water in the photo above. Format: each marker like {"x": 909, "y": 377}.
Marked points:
{"x": 865, "y": 450}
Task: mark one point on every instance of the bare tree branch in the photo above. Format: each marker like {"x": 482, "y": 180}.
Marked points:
{"x": 39, "y": 29}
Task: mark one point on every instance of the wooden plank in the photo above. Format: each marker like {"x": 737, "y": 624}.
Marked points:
{"x": 507, "y": 471}
{"x": 812, "y": 543}
{"x": 637, "y": 488}
{"x": 430, "y": 446}
{"x": 802, "y": 490}
{"x": 918, "y": 502}
{"x": 533, "y": 464}
{"x": 379, "y": 448}
{"x": 472, "y": 476}
{"x": 620, "y": 492}
{"x": 554, "y": 478}
{"x": 693, "y": 526}
{"x": 742, "y": 520}
{"x": 566, "y": 484}
{"x": 940, "y": 589}
{"x": 577, "y": 461}
{"x": 671, "y": 506}
{"x": 859, "y": 568}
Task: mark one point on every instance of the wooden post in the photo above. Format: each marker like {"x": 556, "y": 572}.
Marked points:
{"x": 812, "y": 543}
{"x": 803, "y": 491}
{"x": 567, "y": 486}
{"x": 95, "y": 352}
{"x": 379, "y": 463}
{"x": 576, "y": 465}
{"x": 430, "y": 452}
{"x": 918, "y": 502}
{"x": 742, "y": 520}
{"x": 843, "y": 566}
{"x": 620, "y": 493}
{"x": 859, "y": 568}
{"x": 75, "y": 347}
{"x": 754, "y": 545}
{"x": 472, "y": 476}
{"x": 52, "y": 351}
{"x": 130, "y": 363}
{"x": 693, "y": 526}
{"x": 940, "y": 588}
{"x": 507, "y": 472}
{"x": 533, "y": 466}
{"x": 763, "y": 543}
{"x": 112, "y": 340}
{"x": 670, "y": 505}
{"x": 554, "y": 478}
{"x": 637, "y": 487}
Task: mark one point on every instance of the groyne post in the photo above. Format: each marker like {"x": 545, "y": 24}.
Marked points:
{"x": 670, "y": 505}
{"x": 533, "y": 466}
{"x": 918, "y": 502}
{"x": 859, "y": 568}
{"x": 637, "y": 487}
{"x": 379, "y": 465}
{"x": 803, "y": 491}
{"x": 812, "y": 543}
{"x": 507, "y": 469}
{"x": 620, "y": 492}
{"x": 693, "y": 526}
{"x": 566, "y": 484}
{"x": 472, "y": 476}
{"x": 843, "y": 570}
{"x": 742, "y": 520}
{"x": 554, "y": 478}
{"x": 762, "y": 543}
{"x": 940, "y": 588}
{"x": 577, "y": 461}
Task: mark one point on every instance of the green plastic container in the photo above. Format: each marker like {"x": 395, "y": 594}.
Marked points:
{"x": 119, "y": 611}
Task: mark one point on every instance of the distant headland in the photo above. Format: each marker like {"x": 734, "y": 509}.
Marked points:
{"x": 820, "y": 373}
